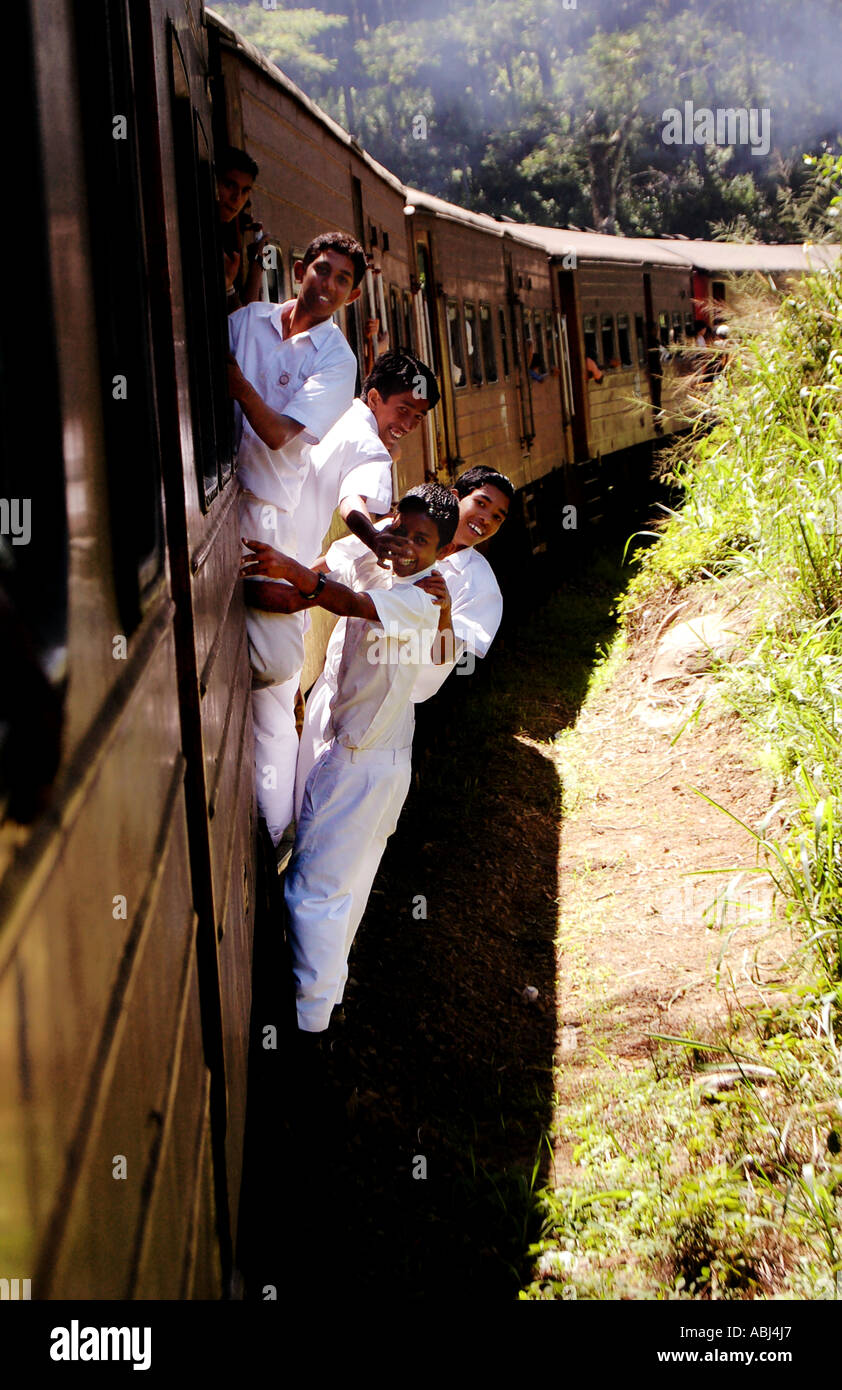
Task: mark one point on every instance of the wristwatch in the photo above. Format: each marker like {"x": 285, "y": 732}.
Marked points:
{"x": 320, "y": 583}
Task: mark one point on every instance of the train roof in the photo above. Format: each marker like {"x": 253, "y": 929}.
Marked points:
{"x": 725, "y": 256}
{"x": 274, "y": 73}
{"x": 561, "y": 241}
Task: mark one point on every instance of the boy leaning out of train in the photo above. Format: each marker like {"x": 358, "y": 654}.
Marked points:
{"x": 291, "y": 374}
{"x": 358, "y": 784}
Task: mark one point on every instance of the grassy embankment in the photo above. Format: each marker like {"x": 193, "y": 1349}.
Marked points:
{"x": 743, "y": 1198}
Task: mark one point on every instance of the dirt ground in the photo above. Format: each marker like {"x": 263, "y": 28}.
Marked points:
{"x": 651, "y": 939}
{"x": 535, "y": 919}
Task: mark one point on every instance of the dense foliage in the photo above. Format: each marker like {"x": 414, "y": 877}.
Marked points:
{"x": 552, "y": 111}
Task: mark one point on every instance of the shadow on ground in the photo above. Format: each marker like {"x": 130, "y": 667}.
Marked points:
{"x": 402, "y": 1163}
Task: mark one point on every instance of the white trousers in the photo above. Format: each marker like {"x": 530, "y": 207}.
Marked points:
{"x": 351, "y": 805}
{"x": 275, "y": 753}
{"x": 276, "y": 640}
{"x": 276, "y": 653}
{"x": 314, "y": 737}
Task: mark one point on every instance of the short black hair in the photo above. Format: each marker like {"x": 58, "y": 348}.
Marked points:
{"x": 438, "y": 503}
{"x": 400, "y": 371}
{"x": 234, "y": 158}
{"x": 345, "y": 245}
{"x": 482, "y": 475}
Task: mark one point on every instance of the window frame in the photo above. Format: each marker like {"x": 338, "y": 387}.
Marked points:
{"x": 611, "y": 360}
{"x": 486, "y": 342}
{"x": 623, "y": 328}
{"x": 454, "y": 323}
{"x": 476, "y": 374}
{"x": 591, "y": 333}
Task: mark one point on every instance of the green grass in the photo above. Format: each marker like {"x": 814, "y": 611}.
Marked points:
{"x": 674, "y": 1196}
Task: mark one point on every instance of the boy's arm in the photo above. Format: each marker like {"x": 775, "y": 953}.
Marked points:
{"x": 312, "y": 588}
{"x": 443, "y": 645}
{"x": 357, "y": 518}
{"x": 274, "y": 429}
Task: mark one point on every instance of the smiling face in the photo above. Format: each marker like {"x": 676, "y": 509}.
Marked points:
{"x": 326, "y": 284}
{"x": 481, "y": 513}
{"x": 396, "y": 415}
{"x": 233, "y": 188}
{"x": 423, "y": 535}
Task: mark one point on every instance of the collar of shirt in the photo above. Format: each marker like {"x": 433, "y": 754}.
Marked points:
{"x": 316, "y": 334}
{"x": 412, "y": 578}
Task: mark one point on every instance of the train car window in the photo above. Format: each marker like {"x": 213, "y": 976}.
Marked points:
{"x": 395, "y": 311}
{"x": 487, "y": 336}
{"x": 717, "y": 289}
{"x": 552, "y": 345}
{"x": 204, "y": 288}
{"x": 516, "y": 342}
{"x": 457, "y": 356}
{"x": 688, "y": 327}
{"x": 591, "y": 340}
{"x": 472, "y": 343}
{"x": 641, "y": 339}
{"x": 539, "y": 344}
{"x": 677, "y": 331}
{"x": 352, "y": 328}
{"x": 624, "y": 340}
{"x": 273, "y": 276}
{"x": 664, "y": 330}
{"x": 121, "y": 291}
{"x": 408, "y": 336}
{"x": 609, "y": 350}
{"x": 504, "y": 340}
{"x": 33, "y": 533}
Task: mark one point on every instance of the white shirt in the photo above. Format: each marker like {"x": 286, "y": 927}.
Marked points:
{"x": 351, "y": 461}
{"x": 309, "y": 377}
{"x": 475, "y": 613}
{"x": 371, "y": 665}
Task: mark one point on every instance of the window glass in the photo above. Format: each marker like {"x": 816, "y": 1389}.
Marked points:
{"x": 641, "y": 339}
{"x": 472, "y": 344}
{"x": 552, "y": 346}
{"x": 395, "y": 311}
{"x": 688, "y": 327}
{"x": 623, "y": 340}
{"x": 408, "y": 337}
{"x": 539, "y": 361}
{"x": 487, "y": 336}
{"x": 457, "y": 356}
{"x": 33, "y": 524}
{"x": 122, "y": 303}
{"x": 202, "y": 275}
{"x": 504, "y": 340}
{"x": 591, "y": 342}
{"x": 609, "y": 351}
{"x": 677, "y": 330}
{"x": 664, "y": 329}
{"x": 273, "y": 275}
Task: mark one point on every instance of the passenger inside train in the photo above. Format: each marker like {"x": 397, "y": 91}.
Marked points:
{"x": 236, "y": 173}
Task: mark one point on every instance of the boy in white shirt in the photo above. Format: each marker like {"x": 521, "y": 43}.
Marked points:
{"x": 292, "y": 375}
{"x": 470, "y": 612}
{"x": 358, "y": 784}
{"x": 351, "y": 467}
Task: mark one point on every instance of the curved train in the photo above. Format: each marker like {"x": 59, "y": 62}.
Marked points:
{"x": 128, "y": 876}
